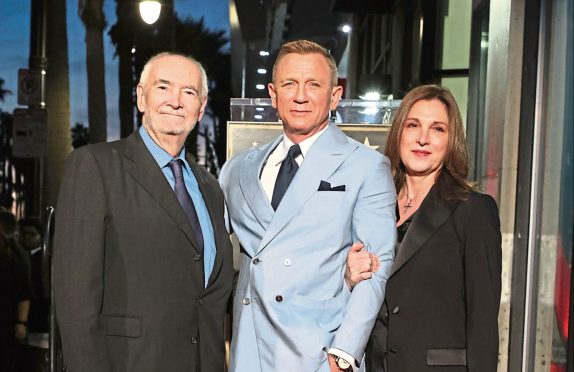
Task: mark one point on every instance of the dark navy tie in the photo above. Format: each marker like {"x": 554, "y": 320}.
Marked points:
{"x": 186, "y": 202}
{"x": 286, "y": 173}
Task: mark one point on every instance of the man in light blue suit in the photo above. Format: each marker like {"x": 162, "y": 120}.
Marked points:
{"x": 296, "y": 205}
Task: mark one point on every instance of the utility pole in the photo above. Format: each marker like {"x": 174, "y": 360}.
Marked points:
{"x": 37, "y": 64}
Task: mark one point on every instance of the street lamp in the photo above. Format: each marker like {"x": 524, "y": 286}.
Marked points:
{"x": 149, "y": 11}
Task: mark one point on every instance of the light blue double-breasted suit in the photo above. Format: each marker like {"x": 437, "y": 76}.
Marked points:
{"x": 291, "y": 302}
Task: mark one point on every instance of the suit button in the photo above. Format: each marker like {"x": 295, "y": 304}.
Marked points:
{"x": 194, "y": 340}
{"x": 393, "y": 350}
{"x": 256, "y": 261}
{"x": 278, "y": 298}
{"x": 197, "y": 257}
{"x": 396, "y": 310}
{"x": 246, "y": 301}
{"x": 287, "y": 262}
{"x": 201, "y": 301}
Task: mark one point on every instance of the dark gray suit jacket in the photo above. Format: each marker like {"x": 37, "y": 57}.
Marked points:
{"x": 442, "y": 297}
{"x": 129, "y": 285}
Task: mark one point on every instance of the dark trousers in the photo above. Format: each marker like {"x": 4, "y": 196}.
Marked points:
{"x": 32, "y": 359}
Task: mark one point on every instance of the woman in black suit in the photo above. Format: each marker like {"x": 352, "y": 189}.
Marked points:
{"x": 443, "y": 293}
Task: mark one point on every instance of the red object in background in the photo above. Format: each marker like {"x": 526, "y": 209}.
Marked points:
{"x": 557, "y": 368}
{"x": 562, "y": 291}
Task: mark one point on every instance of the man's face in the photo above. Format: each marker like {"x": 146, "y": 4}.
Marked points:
{"x": 303, "y": 94}
{"x": 170, "y": 98}
{"x": 30, "y": 238}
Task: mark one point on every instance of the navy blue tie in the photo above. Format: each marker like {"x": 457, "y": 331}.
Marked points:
{"x": 185, "y": 200}
{"x": 286, "y": 173}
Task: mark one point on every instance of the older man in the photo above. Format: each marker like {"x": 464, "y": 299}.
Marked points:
{"x": 296, "y": 205}
{"x": 143, "y": 265}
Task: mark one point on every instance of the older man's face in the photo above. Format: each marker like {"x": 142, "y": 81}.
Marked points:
{"x": 170, "y": 98}
{"x": 303, "y": 94}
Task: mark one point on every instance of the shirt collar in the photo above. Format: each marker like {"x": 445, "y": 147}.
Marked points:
{"x": 280, "y": 152}
{"x": 160, "y": 155}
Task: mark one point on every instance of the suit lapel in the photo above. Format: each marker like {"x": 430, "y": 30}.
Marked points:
{"x": 323, "y": 159}
{"x": 145, "y": 171}
{"x": 430, "y": 216}
{"x": 251, "y": 186}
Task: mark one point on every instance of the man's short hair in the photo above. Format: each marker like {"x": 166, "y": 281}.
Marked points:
{"x": 307, "y": 47}
{"x": 147, "y": 66}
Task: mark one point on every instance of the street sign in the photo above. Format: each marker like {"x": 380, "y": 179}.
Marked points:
{"x": 29, "y": 133}
{"x": 30, "y": 87}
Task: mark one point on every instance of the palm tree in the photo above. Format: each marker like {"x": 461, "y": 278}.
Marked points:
{"x": 193, "y": 38}
{"x": 3, "y": 92}
{"x": 122, "y": 34}
{"x": 94, "y": 21}
{"x": 7, "y": 169}
{"x": 57, "y": 99}
{"x": 80, "y": 135}
{"x": 135, "y": 42}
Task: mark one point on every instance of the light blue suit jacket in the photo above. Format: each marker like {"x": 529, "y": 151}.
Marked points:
{"x": 291, "y": 302}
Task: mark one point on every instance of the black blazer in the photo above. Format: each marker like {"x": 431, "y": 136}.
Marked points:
{"x": 129, "y": 285}
{"x": 443, "y": 293}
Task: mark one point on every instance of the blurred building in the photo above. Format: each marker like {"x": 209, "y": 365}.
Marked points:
{"x": 509, "y": 64}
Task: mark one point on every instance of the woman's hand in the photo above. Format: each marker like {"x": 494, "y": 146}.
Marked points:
{"x": 360, "y": 265}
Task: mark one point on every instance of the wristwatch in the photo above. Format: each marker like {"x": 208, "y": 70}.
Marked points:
{"x": 342, "y": 363}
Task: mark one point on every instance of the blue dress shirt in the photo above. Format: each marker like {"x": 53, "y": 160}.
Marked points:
{"x": 163, "y": 158}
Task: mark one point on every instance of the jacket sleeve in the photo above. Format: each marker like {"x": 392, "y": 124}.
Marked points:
{"x": 483, "y": 266}
{"x": 373, "y": 224}
{"x": 79, "y": 251}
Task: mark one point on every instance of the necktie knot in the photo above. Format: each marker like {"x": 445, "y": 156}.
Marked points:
{"x": 176, "y": 168}
{"x": 294, "y": 151}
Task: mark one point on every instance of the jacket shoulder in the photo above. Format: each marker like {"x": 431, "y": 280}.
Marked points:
{"x": 236, "y": 159}
{"x": 477, "y": 211}
{"x": 478, "y": 201}
{"x": 366, "y": 151}
{"x": 99, "y": 149}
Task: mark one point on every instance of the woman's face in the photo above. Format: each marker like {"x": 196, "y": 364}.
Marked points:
{"x": 425, "y": 138}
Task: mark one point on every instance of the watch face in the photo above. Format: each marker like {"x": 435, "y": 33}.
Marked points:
{"x": 343, "y": 364}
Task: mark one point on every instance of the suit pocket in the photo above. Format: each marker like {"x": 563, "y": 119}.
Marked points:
{"x": 327, "y": 204}
{"x": 325, "y": 313}
{"x": 313, "y": 323}
{"x": 326, "y": 186}
{"x": 446, "y": 357}
{"x": 122, "y": 326}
